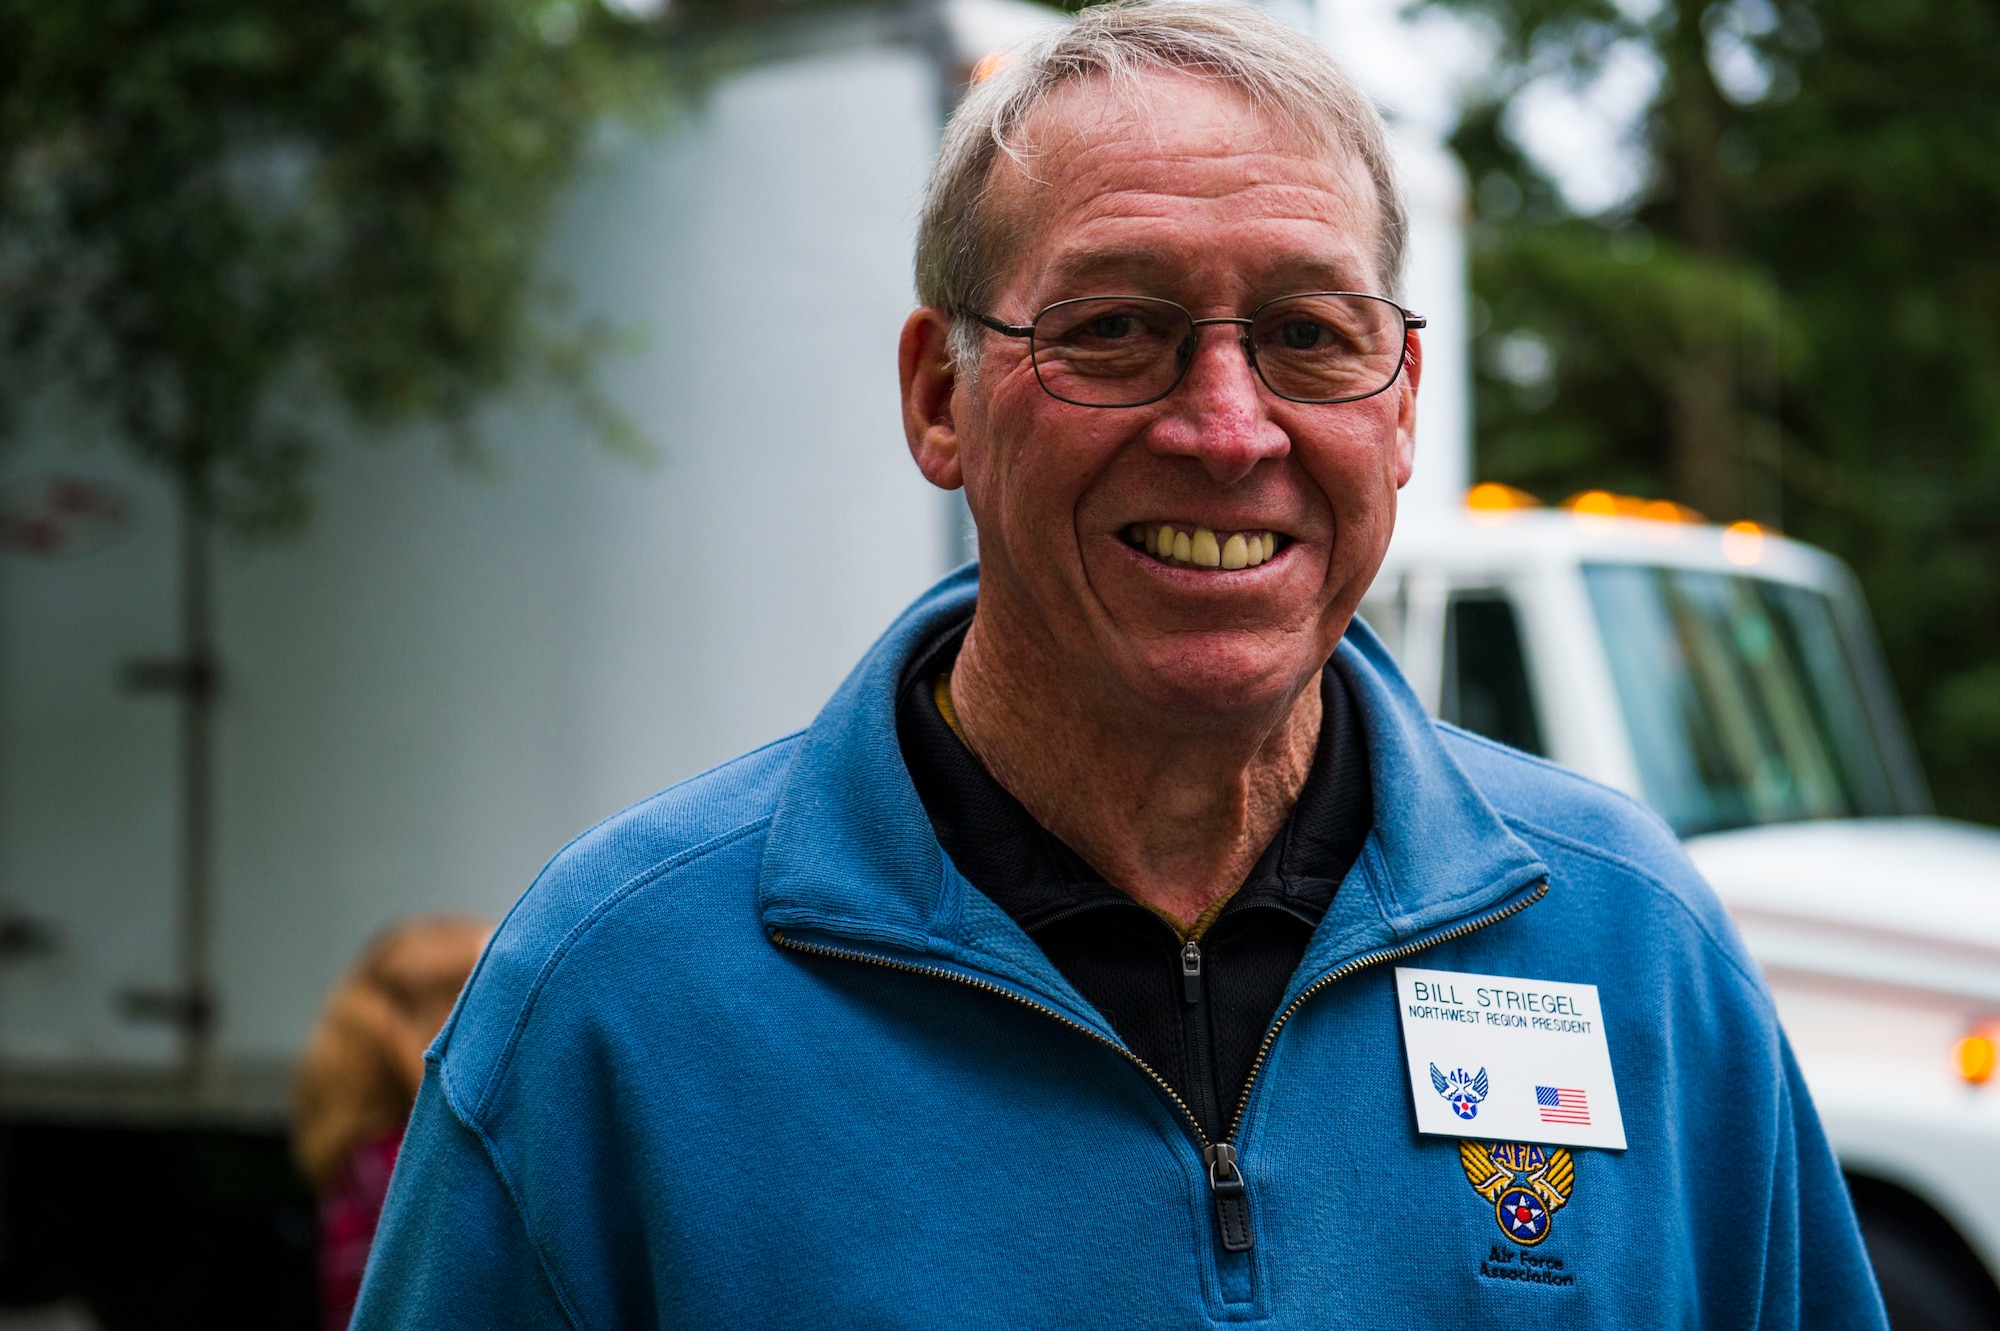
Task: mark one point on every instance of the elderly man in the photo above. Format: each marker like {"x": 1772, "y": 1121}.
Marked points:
{"x": 1122, "y": 945}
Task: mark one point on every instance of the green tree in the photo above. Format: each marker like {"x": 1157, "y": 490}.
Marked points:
{"x": 241, "y": 230}
{"x": 1796, "y": 321}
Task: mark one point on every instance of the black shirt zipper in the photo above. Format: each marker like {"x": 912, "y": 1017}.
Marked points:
{"x": 1197, "y": 1039}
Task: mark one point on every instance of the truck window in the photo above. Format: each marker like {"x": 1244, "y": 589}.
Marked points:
{"x": 1741, "y": 697}
{"x": 1485, "y": 685}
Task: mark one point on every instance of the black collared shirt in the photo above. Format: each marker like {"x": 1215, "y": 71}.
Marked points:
{"x": 1200, "y": 1032}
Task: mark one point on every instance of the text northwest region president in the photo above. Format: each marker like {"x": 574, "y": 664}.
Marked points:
{"x": 1048, "y": 979}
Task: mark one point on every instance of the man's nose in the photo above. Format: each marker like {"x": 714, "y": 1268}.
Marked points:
{"x": 1217, "y": 413}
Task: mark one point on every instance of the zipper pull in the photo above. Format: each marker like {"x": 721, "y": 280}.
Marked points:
{"x": 1232, "y": 1198}
{"x": 1191, "y": 972}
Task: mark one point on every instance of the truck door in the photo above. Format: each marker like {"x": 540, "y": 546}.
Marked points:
{"x": 1463, "y": 652}
{"x": 1484, "y": 685}
{"x": 87, "y": 789}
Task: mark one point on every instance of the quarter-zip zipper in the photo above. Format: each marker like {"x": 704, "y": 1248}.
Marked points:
{"x": 1226, "y": 1183}
{"x": 1196, "y": 1038}
{"x": 1361, "y": 962}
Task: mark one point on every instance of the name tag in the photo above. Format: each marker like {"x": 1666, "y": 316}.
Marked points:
{"x": 1508, "y": 1059}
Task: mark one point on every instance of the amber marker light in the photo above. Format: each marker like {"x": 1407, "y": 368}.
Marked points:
{"x": 1490, "y": 502}
{"x": 1594, "y": 509}
{"x": 1743, "y": 543}
{"x": 1975, "y": 1057}
{"x": 1604, "y": 504}
{"x": 1666, "y": 510}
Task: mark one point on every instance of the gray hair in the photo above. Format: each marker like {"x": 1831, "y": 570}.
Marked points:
{"x": 961, "y": 248}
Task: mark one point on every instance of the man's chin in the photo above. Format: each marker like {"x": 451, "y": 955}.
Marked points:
{"x": 1220, "y": 673}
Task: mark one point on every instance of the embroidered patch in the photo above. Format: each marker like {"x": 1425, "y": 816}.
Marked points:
{"x": 1462, "y": 1090}
{"x": 1526, "y": 1184}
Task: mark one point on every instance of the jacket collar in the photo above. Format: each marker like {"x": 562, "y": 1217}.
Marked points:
{"x": 851, "y": 858}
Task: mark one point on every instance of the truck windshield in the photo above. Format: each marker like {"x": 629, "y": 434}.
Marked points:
{"x": 1744, "y": 697}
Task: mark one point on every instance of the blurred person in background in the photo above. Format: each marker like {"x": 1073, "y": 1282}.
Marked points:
{"x": 359, "y": 1078}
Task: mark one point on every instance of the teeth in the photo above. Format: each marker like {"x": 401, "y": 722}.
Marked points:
{"x": 1203, "y": 547}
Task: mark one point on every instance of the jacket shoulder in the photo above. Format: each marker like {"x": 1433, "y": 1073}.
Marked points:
{"x": 1595, "y": 837}
{"x": 1521, "y": 786}
{"x": 697, "y": 822}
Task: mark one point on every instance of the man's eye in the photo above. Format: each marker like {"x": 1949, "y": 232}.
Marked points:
{"x": 1303, "y": 336}
{"x": 1112, "y": 326}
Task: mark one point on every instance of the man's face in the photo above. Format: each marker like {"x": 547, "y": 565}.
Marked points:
{"x": 1187, "y": 193}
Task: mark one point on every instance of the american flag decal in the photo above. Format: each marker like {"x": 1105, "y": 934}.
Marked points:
{"x": 1562, "y": 1104}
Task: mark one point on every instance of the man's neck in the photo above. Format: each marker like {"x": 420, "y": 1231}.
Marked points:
{"x": 1174, "y": 815}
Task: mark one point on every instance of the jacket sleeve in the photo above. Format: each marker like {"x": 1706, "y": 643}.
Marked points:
{"x": 452, "y": 1249}
{"x": 1817, "y": 1273}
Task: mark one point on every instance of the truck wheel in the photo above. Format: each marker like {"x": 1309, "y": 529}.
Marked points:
{"x": 1931, "y": 1280}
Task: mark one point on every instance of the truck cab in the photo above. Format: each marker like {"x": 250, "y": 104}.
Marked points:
{"x": 1730, "y": 679}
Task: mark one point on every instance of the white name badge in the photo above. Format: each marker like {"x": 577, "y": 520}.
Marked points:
{"x": 1508, "y": 1059}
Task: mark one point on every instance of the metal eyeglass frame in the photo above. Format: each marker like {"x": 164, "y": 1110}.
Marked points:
{"x": 1411, "y": 322}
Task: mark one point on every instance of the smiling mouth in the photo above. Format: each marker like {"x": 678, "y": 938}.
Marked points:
{"x": 1185, "y": 546}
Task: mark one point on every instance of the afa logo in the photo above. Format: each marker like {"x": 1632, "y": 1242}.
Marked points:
{"x": 1526, "y": 1184}
{"x": 1463, "y": 1090}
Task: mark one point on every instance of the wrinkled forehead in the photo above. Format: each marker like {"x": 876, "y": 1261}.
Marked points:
{"x": 1099, "y": 159}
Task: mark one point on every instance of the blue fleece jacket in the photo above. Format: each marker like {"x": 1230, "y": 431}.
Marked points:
{"x": 754, "y": 1054}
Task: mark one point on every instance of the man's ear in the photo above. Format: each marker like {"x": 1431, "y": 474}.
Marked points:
{"x": 1406, "y": 415}
{"x": 930, "y": 377}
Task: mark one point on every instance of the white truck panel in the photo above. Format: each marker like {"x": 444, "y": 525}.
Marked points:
{"x": 455, "y": 670}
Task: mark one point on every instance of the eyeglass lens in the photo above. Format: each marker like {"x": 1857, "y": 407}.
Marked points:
{"x": 1125, "y": 351}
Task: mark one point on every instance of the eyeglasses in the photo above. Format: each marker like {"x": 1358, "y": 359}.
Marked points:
{"x": 1320, "y": 347}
